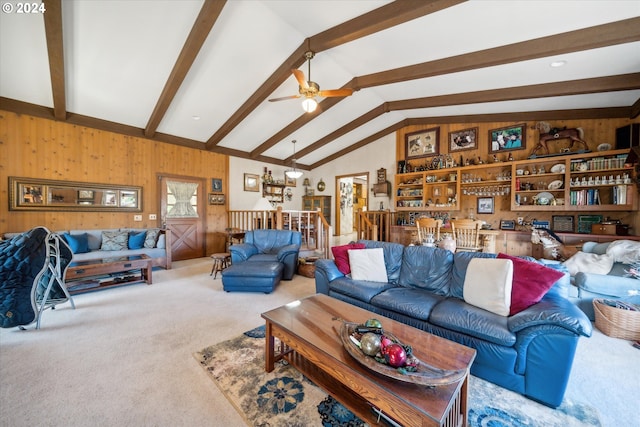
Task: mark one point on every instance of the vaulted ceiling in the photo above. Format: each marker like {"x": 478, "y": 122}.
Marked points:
{"x": 201, "y": 73}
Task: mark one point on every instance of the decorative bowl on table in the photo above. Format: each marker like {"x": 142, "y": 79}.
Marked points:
{"x": 412, "y": 371}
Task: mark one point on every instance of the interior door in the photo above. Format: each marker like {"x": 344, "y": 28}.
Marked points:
{"x": 183, "y": 212}
{"x": 345, "y": 199}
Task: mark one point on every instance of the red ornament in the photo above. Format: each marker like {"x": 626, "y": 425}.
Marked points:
{"x": 395, "y": 355}
{"x": 385, "y": 342}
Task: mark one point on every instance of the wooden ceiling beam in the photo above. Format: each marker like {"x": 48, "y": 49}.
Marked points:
{"x": 207, "y": 17}
{"x": 588, "y": 113}
{"x": 295, "y": 60}
{"x": 354, "y": 124}
{"x": 368, "y": 140}
{"x": 55, "y": 52}
{"x": 544, "y": 90}
{"x": 611, "y": 34}
{"x": 384, "y": 17}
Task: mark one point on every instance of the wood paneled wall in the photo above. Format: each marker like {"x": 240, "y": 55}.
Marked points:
{"x": 41, "y": 148}
{"x": 596, "y": 131}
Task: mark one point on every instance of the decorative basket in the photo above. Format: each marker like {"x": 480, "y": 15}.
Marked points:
{"x": 617, "y": 322}
{"x": 307, "y": 267}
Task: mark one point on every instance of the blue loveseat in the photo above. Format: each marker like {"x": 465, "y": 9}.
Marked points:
{"x": 530, "y": 352}
{"x": 282, "y": 246}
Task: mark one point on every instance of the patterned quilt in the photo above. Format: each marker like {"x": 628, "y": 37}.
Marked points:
{"x": 25, "y": 274}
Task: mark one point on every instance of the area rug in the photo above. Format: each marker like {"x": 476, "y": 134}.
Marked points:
{"x": 286, "y": 398}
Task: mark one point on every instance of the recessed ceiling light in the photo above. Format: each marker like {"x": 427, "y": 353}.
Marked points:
{"x": 195, "y": 117}
{"x": 556, "y": 64}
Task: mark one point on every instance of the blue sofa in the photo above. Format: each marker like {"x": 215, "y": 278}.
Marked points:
{"x": 282, "y": 246}
{"x": 530, "y": 352}
{"x": 158, "y": 247}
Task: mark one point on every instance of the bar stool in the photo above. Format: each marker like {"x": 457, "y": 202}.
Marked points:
{"x": 221, "y": 261}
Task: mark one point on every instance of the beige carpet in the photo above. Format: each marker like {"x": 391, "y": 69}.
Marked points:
{"x": 124, "y": 357}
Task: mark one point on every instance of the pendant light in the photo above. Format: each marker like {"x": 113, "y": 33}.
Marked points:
{"x": 293, "y": 173}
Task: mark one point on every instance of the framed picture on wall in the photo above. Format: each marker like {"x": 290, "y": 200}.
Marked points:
{"x": 423, "y": 143}
{"x": 507, "y": 138}
{"x": 251, "y": 182}
{"x": 216, "y": 185}
{"x": 85, "y": 195}
{"x": 289, "y": 182}
{"x": 216, "y": 199}
{"x": 485, "y": 205}
{"x": 466, "y": 139}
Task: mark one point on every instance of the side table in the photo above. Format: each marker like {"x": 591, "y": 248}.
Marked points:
{"x": 221, "y": 261}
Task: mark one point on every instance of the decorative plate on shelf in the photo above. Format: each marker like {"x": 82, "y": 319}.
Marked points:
{"x": 559, "y": 168}
{"x": 544, "y": 196}
{"x": 424, "y": 375}
{"x": 555, "y": 185}
{"x": 604, "y": 147}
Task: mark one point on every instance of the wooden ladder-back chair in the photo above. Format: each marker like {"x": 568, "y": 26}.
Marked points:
{"x": 466, "y": 233}
{"x": 428, "y": 226}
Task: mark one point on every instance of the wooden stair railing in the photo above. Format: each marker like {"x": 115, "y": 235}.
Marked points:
{"x": 374, "y": 225}
{"x": 365, "y": 229}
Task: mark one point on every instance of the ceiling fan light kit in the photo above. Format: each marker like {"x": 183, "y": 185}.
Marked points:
{"x": 309, "y": 105}
{"x": 293, "y": 173}
{"x": 310, "y": 89}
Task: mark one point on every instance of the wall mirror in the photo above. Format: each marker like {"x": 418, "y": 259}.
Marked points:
{"x": 32, "y": 194}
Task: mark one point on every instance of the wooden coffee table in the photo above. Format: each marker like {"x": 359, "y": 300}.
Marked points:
{"x": 89, "y": 275}
{"x": 308, "y": 333}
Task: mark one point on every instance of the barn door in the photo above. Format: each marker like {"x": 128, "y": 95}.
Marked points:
{"x": 183, "y": 212}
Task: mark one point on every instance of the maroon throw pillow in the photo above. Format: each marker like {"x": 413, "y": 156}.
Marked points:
{"x": 531, "y": 281}
{"x": 341, "y": 256}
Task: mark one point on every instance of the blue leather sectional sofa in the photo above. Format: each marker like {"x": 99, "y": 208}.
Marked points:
{"x": 530, "y": 352}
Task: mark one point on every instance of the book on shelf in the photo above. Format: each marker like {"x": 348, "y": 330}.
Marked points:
{"x": 620, "y": 194}
{"x": 585, "y": 197}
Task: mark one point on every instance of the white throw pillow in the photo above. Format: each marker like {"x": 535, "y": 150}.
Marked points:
{"x": 368, "y": 264}
{"x": 589, "y": 263}
{"x": 487, "y": 284}
{"x": 624, "y": 251}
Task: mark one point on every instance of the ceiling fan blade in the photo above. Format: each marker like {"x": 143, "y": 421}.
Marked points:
{"x": 299, "y": 75}
{"x": 336, "y": 92}
{"x": 284, "y": 98}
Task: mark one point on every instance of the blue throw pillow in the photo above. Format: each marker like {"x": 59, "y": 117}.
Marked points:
{"x": 136, "y": 240}
{"x": 79, "y": 243}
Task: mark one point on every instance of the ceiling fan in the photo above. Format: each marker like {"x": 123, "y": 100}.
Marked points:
{"x": 310, "y": 89}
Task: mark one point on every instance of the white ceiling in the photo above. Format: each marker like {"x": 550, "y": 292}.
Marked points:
{"x": 118, "y": 56}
